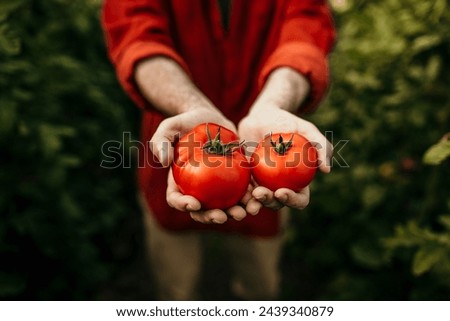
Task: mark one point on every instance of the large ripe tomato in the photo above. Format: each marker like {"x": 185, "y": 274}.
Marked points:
{"x": 210, "y": 165}
{"x": 284, "y": 160}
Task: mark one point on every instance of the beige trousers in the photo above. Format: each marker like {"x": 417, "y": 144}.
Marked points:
{"x": 175, "y": 260}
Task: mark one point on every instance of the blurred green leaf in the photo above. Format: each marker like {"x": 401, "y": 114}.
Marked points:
{"x": 426, "y": 257}
{"x": 437, "y": 153}
{"x": 425, "y": 42}
{"x": 445, "y": 221}
{"x": 433, "y": 68}
{"x": 368, "y": 255}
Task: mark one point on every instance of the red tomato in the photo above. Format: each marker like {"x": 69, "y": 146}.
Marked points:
{"x": 284, "y": 160}
{"x": 210, "y": 165}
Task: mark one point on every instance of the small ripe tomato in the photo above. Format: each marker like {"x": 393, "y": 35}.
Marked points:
{"x": 213, "y": 170}
{"x": 284, "y": 160}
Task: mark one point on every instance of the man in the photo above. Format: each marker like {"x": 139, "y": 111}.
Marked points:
{"x": 248, "y": 65}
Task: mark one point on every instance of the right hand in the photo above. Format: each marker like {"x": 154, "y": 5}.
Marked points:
{"x": 161, "y": 144}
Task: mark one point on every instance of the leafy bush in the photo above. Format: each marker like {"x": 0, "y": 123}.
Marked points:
{"x": 433, "y": 247}
{"x": 59, "y": 103}
{"x": 390, "y": 100}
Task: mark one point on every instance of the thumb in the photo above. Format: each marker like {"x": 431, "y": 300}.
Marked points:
{"x": 163, "y": 151}
{"x": 161, "y": 145}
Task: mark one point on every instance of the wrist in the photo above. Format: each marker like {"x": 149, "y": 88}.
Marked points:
{"x": 284, "y": 89}
{"x": 260, "y": 107}
{"x": 196, "y": 103}
{"x": 168, "y": 88}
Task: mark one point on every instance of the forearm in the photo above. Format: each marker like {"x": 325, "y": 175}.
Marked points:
{"x": 285, "y": 89}
{"x": 167, "y": 87}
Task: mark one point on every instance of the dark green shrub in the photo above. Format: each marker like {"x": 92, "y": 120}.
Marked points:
{"x": 390, "y": 100}
{"x": 61, "y": 213}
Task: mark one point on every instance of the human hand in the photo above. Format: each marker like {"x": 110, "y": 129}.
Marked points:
{"x": 266, "y": 119}
{"x": 161, "y": 145}
{"x": 263, "y": 121}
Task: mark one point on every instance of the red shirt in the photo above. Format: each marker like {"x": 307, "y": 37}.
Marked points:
{"x": 230, "y": 68}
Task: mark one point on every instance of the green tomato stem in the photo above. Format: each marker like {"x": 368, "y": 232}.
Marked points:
{"x": 281, "y": 147}
{"x": 216, "y": 147}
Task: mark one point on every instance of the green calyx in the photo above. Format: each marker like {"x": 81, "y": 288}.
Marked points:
{"x": 281, "y": 147}
{"x": 215, "y": 146}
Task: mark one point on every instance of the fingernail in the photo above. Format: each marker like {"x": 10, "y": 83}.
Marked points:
{"x": 261, "y": 198}
{"x": 191, "y": 208}
{"x": 215, "y": 221}
{"x": 163, "y": 153}
{"x": 283, "y": 198}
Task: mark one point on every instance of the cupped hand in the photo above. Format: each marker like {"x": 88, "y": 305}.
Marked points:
{"x": 161, "y": 145}
{"x": 263, "y": 121}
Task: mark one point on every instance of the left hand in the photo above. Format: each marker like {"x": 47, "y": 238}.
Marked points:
{"x": 265, "y": 120}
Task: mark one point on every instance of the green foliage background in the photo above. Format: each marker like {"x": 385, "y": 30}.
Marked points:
{"x": 376, "y": 229}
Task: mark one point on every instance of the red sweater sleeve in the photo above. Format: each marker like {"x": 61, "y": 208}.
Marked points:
{"x": 307, "y": 36}
{"x": 135, "y": 30}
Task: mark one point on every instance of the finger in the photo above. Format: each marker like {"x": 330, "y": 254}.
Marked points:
{"x": 161, "y": 142}
{"x": 325, "y": 155}
{"x": 178, "y": 200}
{"x": 209, "y": 216}
{"x": 237, "y": 212}
{"x": 253, "y": 206}
{"x": 163, "y": 149}
{"x": 266, "y": 197}
{"x": 323, "y": 146}
{"x": 292, "y": 199}
{"x": 182, "y": 202}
